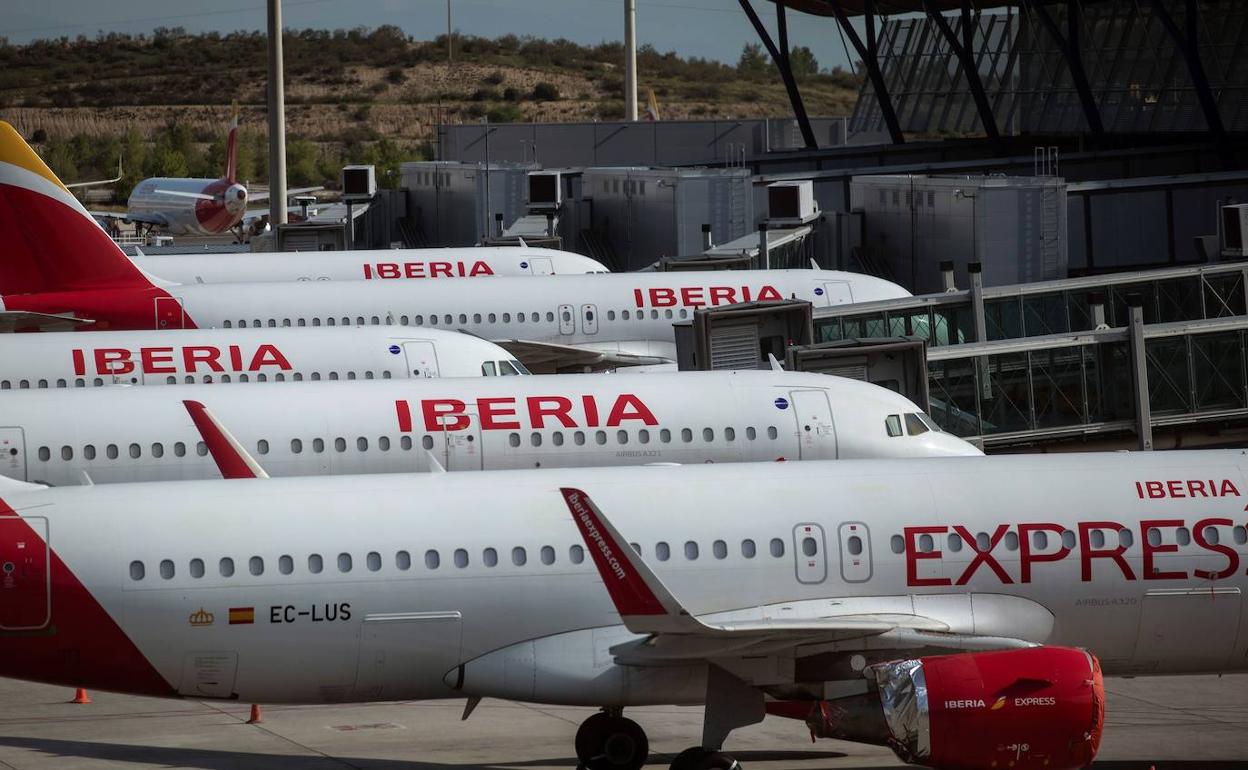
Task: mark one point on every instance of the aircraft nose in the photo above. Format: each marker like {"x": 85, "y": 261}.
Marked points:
{"x": 949, "y": 445}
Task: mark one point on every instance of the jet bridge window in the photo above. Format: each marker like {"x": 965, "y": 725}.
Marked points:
{"x": 915, "y": 426}
{"x": 892, "y": 424}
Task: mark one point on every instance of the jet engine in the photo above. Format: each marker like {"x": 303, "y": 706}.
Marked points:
{"x": 1042, "y": 707}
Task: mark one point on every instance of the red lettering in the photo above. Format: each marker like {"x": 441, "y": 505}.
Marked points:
{"x": 1228, "y": 489}
{"x": 413, "y": 270}
{"x": 480, "y": 268}
{"x": 637, "y": 297}
{"x": 236, "y": 358}
{"x": 493, "y": 410}
{"x": 113, "y": 361}
{"x": 1155, "y": 489}
{"x": 1025, "y": 556}
{"x": 1232, "y": 558}
{"x": 559, "y": 409}
{"x": 157, "y": 360}
{"x": 629, "y": 407}
{"x": 691, "y": 296}
{"x": 723, "y": 295}
{"x": 80, "y": 364}
{"x": 1151, "y": 572}
{"x": 768, "y": 292}
{"x": 404, "y": 412}
{"x": 268, "y": 355}
{"x": 662, "y": 297}
{"x": 368, "y": 271}
{"x": 591, "y": 411}
{"x": 387, "y": 270}
{"x": 1139, "y": 490}
{"x": 201, "y": 354}
{"x": 1087, "y": 553}
{"x": 439, "y": 268}
{"x": 437, "y": 411}
{"x": 913, "y": 554}
{"x": 1196, "y": 488}
{"x": 1175, "y": 488}
{"x": 983, "y": 556}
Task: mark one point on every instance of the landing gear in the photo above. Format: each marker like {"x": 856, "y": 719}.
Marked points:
{"x": 610, "y": 742}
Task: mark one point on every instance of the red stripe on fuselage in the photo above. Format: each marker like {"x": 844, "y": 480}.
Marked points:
{"x": 111, "y": 309}
{"x": 83, "y": 646}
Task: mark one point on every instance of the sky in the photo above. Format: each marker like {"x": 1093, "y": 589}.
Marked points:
{"x": 713, "y": 29}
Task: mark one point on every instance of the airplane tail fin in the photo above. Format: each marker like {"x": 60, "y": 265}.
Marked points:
{"x": 51, "y": 243}
{"x": 231, "y": 148}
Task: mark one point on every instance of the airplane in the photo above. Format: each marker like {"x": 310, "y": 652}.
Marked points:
{"x": 473, "y": 424}
{"x": 61, "y": 268}
{"x": 366, "y": 264}
{"x": 63, "y": 360}
{"x": 185, "y": 206}
{"x": 937, "y": 606}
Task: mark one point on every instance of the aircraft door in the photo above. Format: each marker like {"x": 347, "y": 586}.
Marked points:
{"x": 855, "y": 542}
{"x": 589, "y": 319}
{"x": 567, "y": 323}
{"x": 541, "y": 266}
{"x": 25, "y": 574}
{"x": 405, "y": 655}
{"x": 834, "y": 293}
{"x": 169, "y": 313}
{"x": 13, "y": 453}
{"x": 463, "y": 447}
{"x": 1191, "y": 629}
{"x": 809, "y": 554}
{"x": 816, "y": 434}
{"x": 422, "y": 359}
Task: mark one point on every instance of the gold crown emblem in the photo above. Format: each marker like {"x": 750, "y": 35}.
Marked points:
{"x": 202, "y": 618}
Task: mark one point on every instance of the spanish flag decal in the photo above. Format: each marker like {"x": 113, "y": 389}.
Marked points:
{"x": 242, "y": 615}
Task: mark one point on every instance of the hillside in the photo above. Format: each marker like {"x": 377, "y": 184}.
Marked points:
{"x": 351, "y": 96}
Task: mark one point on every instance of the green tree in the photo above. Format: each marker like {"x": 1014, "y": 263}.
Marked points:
{"x": 803, "y": 61}
{"x": 167, "y": 161}
{"x": 754, "y": 60}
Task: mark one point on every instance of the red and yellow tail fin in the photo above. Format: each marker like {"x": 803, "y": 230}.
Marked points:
{"x": 48, "y": 241}
{"x": 231, "y": 148}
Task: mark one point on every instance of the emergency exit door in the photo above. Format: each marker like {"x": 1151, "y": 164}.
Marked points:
{"x": 169, "y": 313}
{"x": 567, "y": 322}
{"x": 816, "y": 435}
{"x": 854, "y": 540}
{"x": 809, "y": 549}
{"x": 25, "y": 574}
{"x": 13, "y": 453}
{"x": 463, "y": 446}
{"x": 422, "y": 359}
{"x": 589, "y": 319}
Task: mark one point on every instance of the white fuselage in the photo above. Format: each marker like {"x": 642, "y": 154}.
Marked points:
{"x": 174, "y": 200}
{"x": 387, "y": 585}
{"x": 363, "y": 265}
{"x": 540, "y": 421}
{"x": 628, "y": 313}
{"x": 70, "y": 360}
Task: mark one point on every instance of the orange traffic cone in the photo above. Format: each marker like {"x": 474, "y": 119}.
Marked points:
{"x": 255, "y": 715}
{"x": 80, "y": 696}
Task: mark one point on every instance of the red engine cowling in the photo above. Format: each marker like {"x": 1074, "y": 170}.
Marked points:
{"x": 1041, "y": 708}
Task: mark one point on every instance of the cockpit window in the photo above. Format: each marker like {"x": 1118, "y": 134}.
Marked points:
{"x": 914, "y": 425}
{"x": 892, "y": 424}
{"x": 488, "y": 369}
{"x": 512, "y": 367}
{"x": 929, "y": 422}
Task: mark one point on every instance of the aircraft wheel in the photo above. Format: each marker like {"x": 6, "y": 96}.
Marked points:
{"x": 605, "y": 742}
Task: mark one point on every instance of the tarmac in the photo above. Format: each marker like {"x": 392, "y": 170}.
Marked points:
{"x": 1166, "y": 723}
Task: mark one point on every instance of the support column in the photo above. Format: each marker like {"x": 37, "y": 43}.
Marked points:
{"x": 1143, "y": 411}
{"x": 781, "y": 59}
{"x": 868, "y": 53}
{"x": 630, "y": 60}
{"x": 1188, "y": 44}
{"x": 1071, "y": 51}
{"x": 277, "y": 119}
{"x": 965, "y": 51}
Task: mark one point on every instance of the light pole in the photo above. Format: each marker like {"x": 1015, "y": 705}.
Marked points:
{"x": 277, "y": 119}
{"x": 630, "y": 60}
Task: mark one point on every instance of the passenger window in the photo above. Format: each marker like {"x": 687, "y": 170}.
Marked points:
{"x": 686, "y": 435}
{"x": 110, "y": 451}
{"x": 226, "y": 567}
{"x": 625, "y": 315}
{"x": 1068, "y": 539}
{"x": 432, "y": 559}
{"x": 954, "y": 543}
{"x": 854, "y": 544}
{"x": 892, "y": 424}
{"x": 1240, "y": 534}
{"x": 777, "y": 547}
{"x": 600, "y": 437}
{"x": 476, "y": 318}
{"x": 548, "y": 555}
{"x": 383, "y": 443}
{"x": 344, "y": 562}
{"x": 747, "y": 549}
{"x": 340, "y": 444}
{"x": 1011, "y": 541}
{"x": 1183, "y": 536}
{"x": 315, "y": 564}
{"x": 610, "y": 315}
{"x": 556, "y": 438}
{"x": 166, "y": 569}
{"x": 519, "y": 557}
{"x": 361, "y": 444}
{"x": 691, "y": 550}
{"x": 665, "y": 436}
{"x": 513, "y": 440}
{"x": 179, "y": 449}
{"x": 45, "y": 454}
{"x": 461, "y": 558}
{"x": 285, "y": 565}
{"x": 1154, "y": 536}
{"x": 1125, "y": 536}
{"x": 296, "y": 446}
{"x": 88, "y": 451}
{"x": 914, "y": 426}
{"x": 318, "y": 445}
{"x": 201, "y": 449}
{"x": 158, "y": 450}
{"x": 897, "y": 544}
{"x": 730, "y": 434}
{"x": 983, "y": 541}
{"x": 662, "y": 551}
{"x": 1212, "y": 536}
{"x": 426, "y": 442}
{"x": 772, "y": 433}
{"x": 576, "y": 554}
{"x": 708, "y": 435}
{"x": 621, "y": 437}
{"x": 1039, "y": 540}
{"x": 197, "y": 568}
{"x": 136, "y": 451}
{"x": 373, "y": 561}
{"x": 535, "y": 438}
{"x": 720, "y": 549}
{"x": 403, "y": 560}
{"x": 136, "y": 570}
{"x": 262, "y": 447}
{"x": 255, "y": 565}
{"x": 67, "y": 453}
{"x": 810, "y": 548}
{"x": 489, "y": 557}
{"x": 578, "y": 438}
{"x": 1097, "y": 538}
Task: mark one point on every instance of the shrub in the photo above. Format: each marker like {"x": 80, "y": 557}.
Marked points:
{"x": 396, "y": 76}
{"x": 495, "y": 78}
{"x": 545, "y": 92}
{"x": 505, "y": 113}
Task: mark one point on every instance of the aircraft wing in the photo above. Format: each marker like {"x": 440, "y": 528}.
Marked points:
{"x": 800, "y": 628}
{"x": 21, "y": 320}
{"x": 541, "y": 357}
{"x": 156, "y": 220}
{"x": 257, "y": 197}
